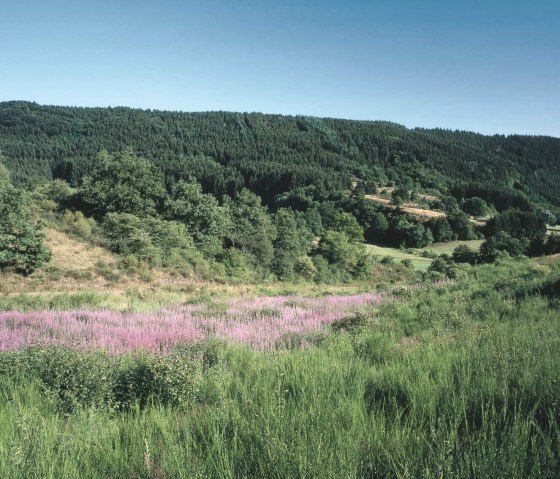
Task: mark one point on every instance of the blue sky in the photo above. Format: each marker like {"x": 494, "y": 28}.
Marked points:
{"x": 488, "y": 66}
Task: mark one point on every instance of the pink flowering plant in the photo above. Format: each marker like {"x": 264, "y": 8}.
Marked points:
{"x": 261, "y": 323}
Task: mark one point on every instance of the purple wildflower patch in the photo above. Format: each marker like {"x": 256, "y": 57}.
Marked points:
{"x": 262, "y": 323}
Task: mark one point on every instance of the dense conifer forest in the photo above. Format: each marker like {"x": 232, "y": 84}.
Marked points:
{"x": 274, "y": 155}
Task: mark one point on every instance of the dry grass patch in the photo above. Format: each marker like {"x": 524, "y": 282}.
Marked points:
{"x": 71, "y": 254}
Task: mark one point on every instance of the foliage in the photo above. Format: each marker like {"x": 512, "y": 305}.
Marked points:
{"x": 463, "y": 254}
{"x": 305, "y": 268}
{"x": 475, "y": 206}
{"x": 500, "y": 244}
{"x": 205, "y": 220}
{"x": 5, "y": 176}
{"x": 406, "y": 232}
{"x": 122, "y": 183}
{"x": 53, "y": 195}
{"x": 443, "y": 266}
{"x": 461, "y": 225}
{"x": 252, "y": 229}
{"x": 273, "y": 155}
{"x": 75, "y": 223}
{"x": 292, "y": 242}
{"x": 346, "y": 258}
{"x": 517, "y": 223}
{"x": 158, "y": 242}
{"x": 22, "y": 244}
{"x": 348, "y": 224}
{"x": 377, "y": 228}
{"x": 441, "y": 230}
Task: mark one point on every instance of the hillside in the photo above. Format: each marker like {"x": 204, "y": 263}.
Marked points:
{"x": 273, "y": 154}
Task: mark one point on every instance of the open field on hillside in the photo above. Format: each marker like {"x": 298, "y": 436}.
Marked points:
{"x": 447, "y": 248}
{"x": 418, "y": 262}
{"x": 415, "y": 210}
{"x": 409, "y": 208}
{"x": 81, "y": 275}
{"x": 450, "y": 380}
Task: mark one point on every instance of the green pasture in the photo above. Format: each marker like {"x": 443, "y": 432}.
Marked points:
{"x": 418, "y": 262}
{"x": 447, "y": 248}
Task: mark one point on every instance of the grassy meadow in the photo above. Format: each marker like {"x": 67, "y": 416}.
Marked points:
{"x": 397, "y": 255}
{"x": 415, "y": 255}
{"x": 456, "y": 379}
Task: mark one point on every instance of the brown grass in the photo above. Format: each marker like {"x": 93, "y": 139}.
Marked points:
{"x": 410, "y": 209}
{"x": 413, "y": 209}
{"x": 78, "y": 266}
{"x": 69, "y": 253}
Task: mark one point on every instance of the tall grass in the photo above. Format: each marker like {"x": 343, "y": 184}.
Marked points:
{"x": 454, "y": 381}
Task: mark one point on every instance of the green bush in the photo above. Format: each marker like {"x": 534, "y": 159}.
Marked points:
{"x": 463, "y": 254}
{"x": 75, "y": 223}
{"x": 305, "y": 268}
{"x": 172, "y": 380}
{"x": 122, "y": 183}
{"x": 158, "y": 242}
{"x": 502, "y": 244}
{"x": 53, "y": 195}
{"x": 94, "y": 379}
{"x": 22, "y": 244}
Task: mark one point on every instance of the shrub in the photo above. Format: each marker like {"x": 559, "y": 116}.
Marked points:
{"x": 53, "y": 194}
{"x": 74, "y": 378}
{"x": 305, "y": 268}
{"x": 95, "y": 379}
{"x": 171, "y": 380}
{"x": 22, "y": 244}
{"x": 442, "y": 265}
{"x": 237, "y": 264}
{"x": 463, "y": 254}
{"x": 158, "y": 242}
{"x": 500, "y": 244}
{"x": 77, "y": 224}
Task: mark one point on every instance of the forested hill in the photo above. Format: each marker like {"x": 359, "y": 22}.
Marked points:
{"x": 273, "y": 154}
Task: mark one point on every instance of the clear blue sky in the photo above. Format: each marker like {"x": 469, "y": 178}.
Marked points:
{"x": 489, "y": 66}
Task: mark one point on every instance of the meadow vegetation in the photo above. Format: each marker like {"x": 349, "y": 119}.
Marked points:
{"x": 458, "y": 379}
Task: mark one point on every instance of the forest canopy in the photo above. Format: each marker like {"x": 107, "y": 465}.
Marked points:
{"x": 280, "y": 158}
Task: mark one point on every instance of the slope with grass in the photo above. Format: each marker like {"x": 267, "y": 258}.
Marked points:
{"x": 449, "y": 380}
{"x": 398, "y": 255}
{"x": 447, "y": 248}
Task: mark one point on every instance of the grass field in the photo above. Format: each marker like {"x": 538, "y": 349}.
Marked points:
{"x": 447, "y": 248}
{"x": 457, "y": 380}
{"x": 418, "y": 262}
{"x": 418, "y": 211}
